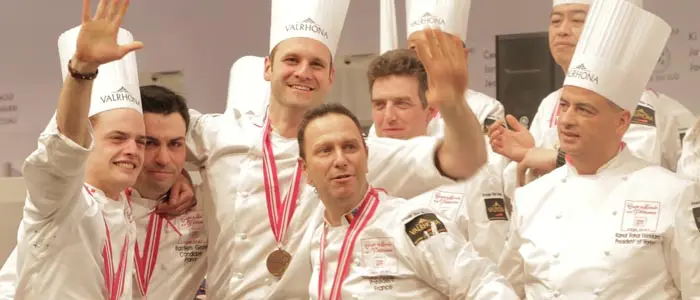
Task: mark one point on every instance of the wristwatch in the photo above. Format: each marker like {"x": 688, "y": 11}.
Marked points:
{"x": 561, "y": 158}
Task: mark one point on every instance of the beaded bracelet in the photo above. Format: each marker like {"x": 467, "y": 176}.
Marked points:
{"x": 77, "y": 75}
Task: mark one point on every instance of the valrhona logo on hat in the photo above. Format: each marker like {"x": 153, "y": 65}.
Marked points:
{"x": 582, "y": 73}
{"x": 307, "y": 24}
{"x": 429, "y": 19}
{"x": 120, "y": 95}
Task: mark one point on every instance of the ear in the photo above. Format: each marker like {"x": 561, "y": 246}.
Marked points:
{"x": 305, "y": 171}
{"x": 432, "y": 112}
{"x": 268, "y": 68}
{"x": 623, "y": 122}
{"x": 331, "y": 75}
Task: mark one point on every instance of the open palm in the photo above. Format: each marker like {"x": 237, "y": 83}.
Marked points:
{"x": 446, "y": 64}
{"x": 97, "y": 40}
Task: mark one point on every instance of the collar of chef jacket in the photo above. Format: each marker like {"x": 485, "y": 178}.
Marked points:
{"x": 347, "y": 217}
{"x": 617, "y": 160}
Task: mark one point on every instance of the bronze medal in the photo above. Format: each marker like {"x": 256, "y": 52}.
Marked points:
{"x": 278, "y": 261}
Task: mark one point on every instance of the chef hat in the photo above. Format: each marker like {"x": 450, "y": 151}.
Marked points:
{"x": 388, "y": 36}
{"x": 247, "y": 82}
{"x": 116, "y": 85}
{"x": 618, "y": 50}
{"x": 639, "y": 3}
{"x": 452, "y": 16}
{"x": 321, "y": 20}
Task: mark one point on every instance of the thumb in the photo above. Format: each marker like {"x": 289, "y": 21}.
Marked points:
{"x": 513, "y": 123}
{"x": 126, "y": 49}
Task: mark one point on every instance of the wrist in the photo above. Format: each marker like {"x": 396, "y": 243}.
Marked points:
{"x": 83, "y": 67}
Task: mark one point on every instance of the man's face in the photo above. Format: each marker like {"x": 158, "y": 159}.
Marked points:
{"x": 589, "y": 123}
{"x": 397, "y": 111}
{"x": 117, "y": 156}
{"x": 565, "y": 26}
{"x": 300, "y": 73}
{"x": 336, "y": 158}
{"x": 165, "y": 153}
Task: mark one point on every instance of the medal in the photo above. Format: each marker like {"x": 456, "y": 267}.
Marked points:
{"x": 278, "y": 261}
{"x": 279, "y": 211}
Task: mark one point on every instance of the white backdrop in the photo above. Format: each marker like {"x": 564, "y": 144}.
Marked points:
{"x": 203, "y": 39}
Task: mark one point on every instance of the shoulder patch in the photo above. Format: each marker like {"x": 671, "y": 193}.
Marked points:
{"x": 420, "y": 227}
{"x": 644, "y": 116}
{"x": 496, "y": 209}
{"x": 696, "y": 216}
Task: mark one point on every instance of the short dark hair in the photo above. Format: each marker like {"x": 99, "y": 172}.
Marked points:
{"x": 158, "y": 99}
{"x": 399, "y": 62}
{"x": 322, "y": 111}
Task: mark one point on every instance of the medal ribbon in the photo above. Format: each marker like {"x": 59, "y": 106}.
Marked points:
{"x": 114, "y": 282}
{"x": 145, "y": 260}
{"x": 364, "y": 214}
{"x": 279, "y": 212}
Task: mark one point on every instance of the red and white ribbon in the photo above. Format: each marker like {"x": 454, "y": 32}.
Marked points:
{"x": 279, "y": 211}
{"x": 364, "y": 214}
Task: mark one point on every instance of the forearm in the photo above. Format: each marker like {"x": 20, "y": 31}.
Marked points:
{"x": 463, "y": 151}
{"x": 74, "y": 105}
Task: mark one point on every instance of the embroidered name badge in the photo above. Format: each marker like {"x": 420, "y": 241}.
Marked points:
{"x": 644, "y": 116}
{"x": 640, "y": 216}
{"x": 696, "y": 216}
{"x": 379, "y": 257}
{"x": 496, "y": 209}
{"x": 420, "y": 228}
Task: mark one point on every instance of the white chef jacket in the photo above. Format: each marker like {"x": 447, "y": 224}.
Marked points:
{"x": 60, "y": 253}
{"x": 443, "y": 266}
{"x": 182, "y": 255}
{"x": 689, "y": 162}
{"x": 487, "y": 110}
{"x": 652, "y": 135}
{"x": 228, "y": 148}
{"x": 609, "y": 235}
{"x": 477, "y": 207}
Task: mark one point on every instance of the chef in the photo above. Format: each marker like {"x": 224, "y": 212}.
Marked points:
{"x": 652, "y": 134}
{"x": 398, "y": 85}
{"x": 452, "y": 16}
{"x": 259, "y": 206}
{"x": 603, "y": 225}
{"x": 171, "y": 253}
{"x": 165, "y": 248}
{"x": 372, "y": 245}
{"x": 78, "y": 227}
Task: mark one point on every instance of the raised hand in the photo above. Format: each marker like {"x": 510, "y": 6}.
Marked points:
{"x": 512, "y": 144}
{"x": 97, "y": 40}
{"x": 445, "y": 62}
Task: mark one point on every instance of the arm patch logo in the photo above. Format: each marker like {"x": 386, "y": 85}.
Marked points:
{"x": 420, "y": 227}
{"x": 644, "y": 116}
{"x": 496, "y": 209}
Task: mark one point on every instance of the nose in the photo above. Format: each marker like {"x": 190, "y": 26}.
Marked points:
{"x": 162, "y": 156}
{"x": 340, "y": 160}
{"x": 389, "y": 113}
{"x": 564, "y": 29}
{"x": 566, "y": 117}
{"x": 303, "y": 71}
{"x": 132, "y": 149}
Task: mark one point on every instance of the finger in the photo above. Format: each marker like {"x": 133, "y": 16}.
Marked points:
{"x": 423, "y": 51}
{"x": 101, "y": 9}
{"x": 433, "y": 43}
{"x": 121, "y": 13}
{"x": 86, "y": 11}
{"x": 460, "y": 53}
{"x": 446, "y": 44}
{"x": 495, "y": 127}
{"x": 111, "y": 8}
{"x": 126, "y": 49}
{"x": 513, "y": 123}
{"x": 521, "y": 174}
